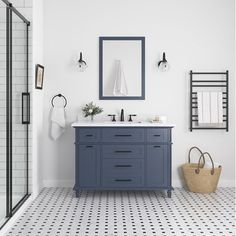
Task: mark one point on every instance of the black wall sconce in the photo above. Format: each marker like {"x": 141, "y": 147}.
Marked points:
{"x": 163, "y": 65}
{"x": 82, "y": 64}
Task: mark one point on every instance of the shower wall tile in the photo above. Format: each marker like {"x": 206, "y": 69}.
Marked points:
{"x": 2, "y": 27}
{"x": 27, "y": 12}
{"x": 28, "y": 3}
{"x": 2, "y": 41}
{"x": 2, "y": 56}
{"x": 18, "y": 3}
{"x": 2, "y": 180}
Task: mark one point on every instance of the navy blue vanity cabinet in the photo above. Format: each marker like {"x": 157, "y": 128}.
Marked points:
{"x": 88, "y": 165}
{"x": 131, "y": 158}
{"x": 157, "y": 163}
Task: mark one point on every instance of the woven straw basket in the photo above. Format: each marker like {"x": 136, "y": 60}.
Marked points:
{"x": 199, "y": 179}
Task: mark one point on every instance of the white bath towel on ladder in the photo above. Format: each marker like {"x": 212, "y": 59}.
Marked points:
{"x": 210, "y": 107}
{"x": 58, "y": 122}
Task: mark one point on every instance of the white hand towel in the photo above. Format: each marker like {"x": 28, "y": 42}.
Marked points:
{"x": 220, "y": 107}
{"x": 58, "y": 122}
{"x": 206, "y": 107}
{"x": 200, "y": 107}
{"x": 214, "y": 107}
{"x": 203, "y": 99}
{"x": 120, "y": 86}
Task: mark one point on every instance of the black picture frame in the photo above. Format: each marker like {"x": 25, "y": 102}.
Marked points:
{"x": 101, "y": 41}
{"x": 39, "y": 74}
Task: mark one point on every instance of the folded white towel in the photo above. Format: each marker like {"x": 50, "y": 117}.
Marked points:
{"x": 210, "y": 110}
{"x": 58, "y": 122}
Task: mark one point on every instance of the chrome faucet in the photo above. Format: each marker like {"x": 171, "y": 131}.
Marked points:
{"x": 122, "y": 115}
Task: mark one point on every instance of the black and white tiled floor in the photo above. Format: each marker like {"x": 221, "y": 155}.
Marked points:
{"x": 57, "y": 212}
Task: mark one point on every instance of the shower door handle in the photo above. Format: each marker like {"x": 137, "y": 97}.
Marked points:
{"x": 25, "y": 108}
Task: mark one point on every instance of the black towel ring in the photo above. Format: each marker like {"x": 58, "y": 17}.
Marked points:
{"x": 59, "y": 95}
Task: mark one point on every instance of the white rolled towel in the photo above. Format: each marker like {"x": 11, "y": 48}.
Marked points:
{"x": 208, "y": 164}
{"x": 58, "y": 122}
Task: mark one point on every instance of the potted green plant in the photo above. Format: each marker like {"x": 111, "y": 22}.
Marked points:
{"x": 91, "y": 110}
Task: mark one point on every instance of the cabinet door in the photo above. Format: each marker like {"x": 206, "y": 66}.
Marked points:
{"x": 157, "y": 169}
{"x": 88, "y": 166}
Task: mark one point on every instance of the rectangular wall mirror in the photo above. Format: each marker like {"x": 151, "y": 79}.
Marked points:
{"x": 122, "y": 68}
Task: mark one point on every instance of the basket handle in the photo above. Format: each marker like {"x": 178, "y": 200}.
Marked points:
{"x": 199, "y": 151}
{"x": 197, "y": 171}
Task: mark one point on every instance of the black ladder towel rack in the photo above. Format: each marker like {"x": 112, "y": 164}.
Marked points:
{"x": 195, "y": 84}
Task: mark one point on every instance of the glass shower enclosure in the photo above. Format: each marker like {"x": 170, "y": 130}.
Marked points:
{"x": 14, "y": 110}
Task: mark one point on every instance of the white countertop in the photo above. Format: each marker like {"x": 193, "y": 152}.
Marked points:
{"x": 118, "y": 124}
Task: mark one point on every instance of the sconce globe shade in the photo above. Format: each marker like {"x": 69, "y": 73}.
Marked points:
{"x": 164, "y": 66}
{"x": 82, "y": 66}
{"x": 81, "y": 63}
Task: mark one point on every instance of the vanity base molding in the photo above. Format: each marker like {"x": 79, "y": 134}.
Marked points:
{"x": 123, "y": 158}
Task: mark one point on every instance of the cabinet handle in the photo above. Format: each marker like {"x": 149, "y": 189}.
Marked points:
{"x": 123, "y": 135}
{"x": 120, "y": 151}
{"x": 89, "y": 146}
{"x": 123, "y": 180}
{"x": 156, "y": 135}
{"x": 123, "y": 165}
{"x": 156, "y": 146}
{"x": 89, "y": 135}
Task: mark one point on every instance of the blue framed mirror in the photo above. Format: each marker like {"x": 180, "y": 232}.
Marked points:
{"x": 121, "y": 68}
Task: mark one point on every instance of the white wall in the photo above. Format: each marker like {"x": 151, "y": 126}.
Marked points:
{"x": 195, "y": 34}
{"x": 37, "y": 94}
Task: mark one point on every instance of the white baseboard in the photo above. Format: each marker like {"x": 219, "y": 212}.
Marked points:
{"x": 15, "y": 217}
{"x": 222, "y": 183}
{"x": 176, "y": 183}
{"x": 226, "y": 183}
{"x": 36, "y": 190}
{"x": 58, "y": 183}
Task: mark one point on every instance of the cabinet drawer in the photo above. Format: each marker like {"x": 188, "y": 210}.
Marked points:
{"x": 122, "y": 135}
{"x": 122, "y": 167}
{"x": 158, "y": 135}
{"x": 123, "y": 151}
{"x": 87, "y": 135}
{"x": 117, "y": 181}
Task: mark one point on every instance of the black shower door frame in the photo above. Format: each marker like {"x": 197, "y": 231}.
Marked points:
{"x": 10, "y": 210}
